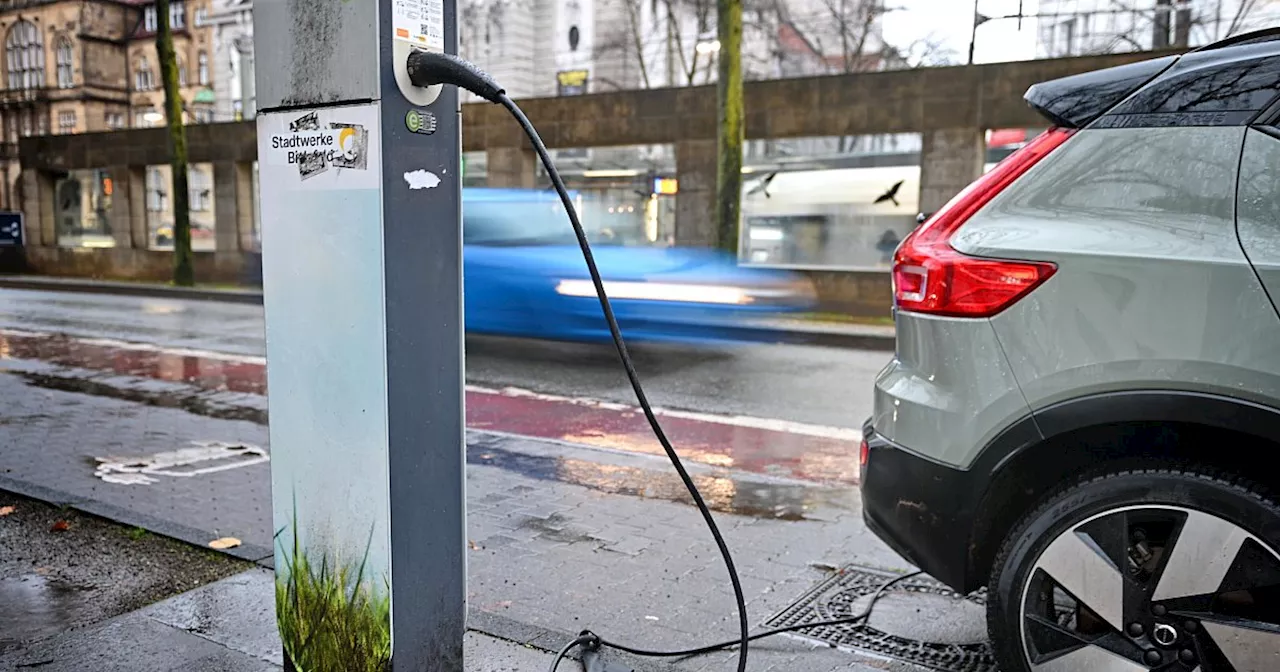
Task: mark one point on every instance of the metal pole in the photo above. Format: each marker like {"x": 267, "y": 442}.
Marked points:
{"x": 973, "y": 32}
{"x": 361, "y": 237}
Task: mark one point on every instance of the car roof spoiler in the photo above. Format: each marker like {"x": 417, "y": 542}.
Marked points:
{"x": 1076, "y": 101}
{"x": 1079, "y": 100}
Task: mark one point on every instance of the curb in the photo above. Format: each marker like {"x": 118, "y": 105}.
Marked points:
{"x": 132, "y": 289}
{"x": 820, "y": 337}
{"x": 120, "y": 515}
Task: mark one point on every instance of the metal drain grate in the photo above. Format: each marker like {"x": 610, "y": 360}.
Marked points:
{"x": 842, "y": 595}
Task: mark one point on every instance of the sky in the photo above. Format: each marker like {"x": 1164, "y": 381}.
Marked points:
{"x": 949, "y": 21}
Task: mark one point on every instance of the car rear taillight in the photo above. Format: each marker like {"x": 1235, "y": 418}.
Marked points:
{"x": 930, "y": 276}
{"x": 864, "y": 453}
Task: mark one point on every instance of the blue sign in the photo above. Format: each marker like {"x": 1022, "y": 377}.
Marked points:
{"x": 10, "y": 229}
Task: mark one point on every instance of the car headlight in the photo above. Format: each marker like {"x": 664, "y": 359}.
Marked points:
{"x": 659, "y": 291}
{"x": 682, "y": 292}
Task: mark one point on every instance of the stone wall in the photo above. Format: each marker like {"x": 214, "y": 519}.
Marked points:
{"x": 229, "y": 268}
{"x": 951, "y": 107}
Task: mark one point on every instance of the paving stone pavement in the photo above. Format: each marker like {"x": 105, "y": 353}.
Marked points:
{"x": 227, "y": 625}
{"x": 549, "y": 554}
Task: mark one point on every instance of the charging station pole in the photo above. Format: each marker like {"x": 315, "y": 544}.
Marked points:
{"x": 361, "y": 238}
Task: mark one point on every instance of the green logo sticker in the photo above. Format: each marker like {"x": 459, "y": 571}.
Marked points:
{"x": 420, "y": 121}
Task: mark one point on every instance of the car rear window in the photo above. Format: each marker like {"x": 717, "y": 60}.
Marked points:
{"x": 1204, "y": 90}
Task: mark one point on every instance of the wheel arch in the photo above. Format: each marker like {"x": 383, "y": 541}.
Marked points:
{"x": 1107, "y": 431}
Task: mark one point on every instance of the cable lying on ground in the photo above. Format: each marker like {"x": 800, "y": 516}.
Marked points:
{"x": 434, "y": 68}
{"x": 848, "y": 620}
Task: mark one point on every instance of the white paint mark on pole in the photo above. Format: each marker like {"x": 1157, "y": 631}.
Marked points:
{"x": 422, "y": 179}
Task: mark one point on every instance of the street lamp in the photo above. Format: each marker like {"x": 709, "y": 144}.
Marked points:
{"x": 707, "y": 44}
{"x": 979, "y": 19}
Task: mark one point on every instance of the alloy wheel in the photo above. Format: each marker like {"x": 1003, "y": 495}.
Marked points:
{"x": 1153, "y": 588}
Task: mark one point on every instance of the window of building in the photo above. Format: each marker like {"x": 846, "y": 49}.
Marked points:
{"x": 113, "y": 120}
{"x": 146, "y": 118}
{"x": 26, "y": 123}
{"x": 177, "y": 15}
{"x": 202, "y": 16}
{"x": 42, "y": 124}
{"x": 11, "y": 127}
{"x": 82, "y": 209}
{"x": 203, "y": 65}
{"x": 24, "y": 52}
{"x": 157, "y": 194}
{"x": 143, "y": 79}
{"x": 182, "y": 72}
{"x": 67, "y": 121}
{"x": 149, "y": 21}
{"x": 65, "y": 56}
{"x": 1066, "y": 36}
{"x": 203, "y": 115}
{"x": 200, "y": 189}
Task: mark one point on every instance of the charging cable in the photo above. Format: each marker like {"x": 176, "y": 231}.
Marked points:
{"x": 429, "y": 68}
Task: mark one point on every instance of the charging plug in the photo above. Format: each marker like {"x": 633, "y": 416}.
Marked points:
{"x": 432, "y": 68}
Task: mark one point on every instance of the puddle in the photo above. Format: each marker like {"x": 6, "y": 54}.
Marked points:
{"x": 782, "y": 501}
{"x": 234, "y": 374}
{"x": 37, "y": 606}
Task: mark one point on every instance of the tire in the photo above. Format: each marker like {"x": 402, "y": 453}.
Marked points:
{"x": 1178, "y": 571}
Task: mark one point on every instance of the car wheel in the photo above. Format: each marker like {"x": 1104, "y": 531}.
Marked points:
{"x": 1164, "y": 570}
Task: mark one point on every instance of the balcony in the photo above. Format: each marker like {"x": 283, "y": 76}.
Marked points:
{"x": 20, "y": 96}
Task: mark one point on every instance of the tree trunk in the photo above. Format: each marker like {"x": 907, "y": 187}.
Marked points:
{"x": 730, "y": 132}
{"x": 183, "y": 261}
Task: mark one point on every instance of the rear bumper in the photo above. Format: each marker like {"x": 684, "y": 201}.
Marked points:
{"x": 920, "y": 508}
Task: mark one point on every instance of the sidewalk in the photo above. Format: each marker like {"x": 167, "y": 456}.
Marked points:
{"x": 834, "y": 334}
{"x": 563, "y": 537}
{"x": 228, "y": 625}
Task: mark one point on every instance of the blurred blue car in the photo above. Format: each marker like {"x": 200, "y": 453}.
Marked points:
{"x": 525, "y": 277}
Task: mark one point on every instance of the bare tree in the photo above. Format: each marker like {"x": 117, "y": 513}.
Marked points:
{"x": 1158, "y": 24}
{"x": 834, "y": 36}
{"x": 842, "y": 32}
{"x": 668, "y": 32}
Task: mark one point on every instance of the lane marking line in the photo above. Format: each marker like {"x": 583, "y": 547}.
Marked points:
{"x": 747, "y": 421}
{"x": 770, "y": 424}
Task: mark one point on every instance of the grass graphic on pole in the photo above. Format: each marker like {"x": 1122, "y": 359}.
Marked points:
{"x": 332, "y": 617}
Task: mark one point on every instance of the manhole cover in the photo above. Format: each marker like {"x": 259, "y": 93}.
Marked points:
{"x": 917, "y": 621}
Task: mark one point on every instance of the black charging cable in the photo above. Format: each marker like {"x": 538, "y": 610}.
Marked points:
{"x": 847, "y": 620}
{"x": 429, "y": 68}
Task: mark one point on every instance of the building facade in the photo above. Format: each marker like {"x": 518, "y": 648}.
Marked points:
{"x": 233, "y": 87}
{"x": 193, "y": 43}
{"x": 77, "y": 66}
{"x": 1084, "y": 27}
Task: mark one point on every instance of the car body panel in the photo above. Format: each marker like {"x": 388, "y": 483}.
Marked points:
{"x": 948, "y": 388}
{"x": 1153, "y": 290}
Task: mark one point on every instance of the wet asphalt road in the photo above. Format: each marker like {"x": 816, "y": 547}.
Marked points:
{"x": 828, "y": 386}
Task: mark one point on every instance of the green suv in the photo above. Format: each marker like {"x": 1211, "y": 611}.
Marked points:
{"x": 1083, "y": 413}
